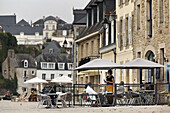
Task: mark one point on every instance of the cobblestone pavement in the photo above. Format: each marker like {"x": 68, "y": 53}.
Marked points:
{"x": 31, "y": 107}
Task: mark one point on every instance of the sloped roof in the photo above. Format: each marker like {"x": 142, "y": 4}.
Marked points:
{"x": 80, "y": 17}
{"x": 40, "y": 22}
{"x": 18, "y": 61}
{"x": 28, "y": 30}
{"x": 64, "y": 26}
{"x": 23, "y": 22}
{"x": 54, "y": 45}
{"x": 59, "y": 58}
{"x": 8, "y": 20}
{"x": 50, "y": 18}
{"x": 88, "y": 30}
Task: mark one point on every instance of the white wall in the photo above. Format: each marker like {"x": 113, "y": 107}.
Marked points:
{"x": 55, "y": 72}
{"x": 29, "y": 39}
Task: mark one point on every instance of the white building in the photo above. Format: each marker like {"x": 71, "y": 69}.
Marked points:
{"x": 51, "y": 65}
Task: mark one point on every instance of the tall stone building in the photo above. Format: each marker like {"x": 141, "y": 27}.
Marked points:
{"x": 124, "y": 48}
{"x": 151, "y": 36}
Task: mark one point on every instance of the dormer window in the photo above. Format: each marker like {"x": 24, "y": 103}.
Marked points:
{"x": 26, "y": 63}
{"x": 51, "y": 50}
{"x": 69, "y": 66}
{"x": 45, "y": 65}
{"x": 60, "y": 65}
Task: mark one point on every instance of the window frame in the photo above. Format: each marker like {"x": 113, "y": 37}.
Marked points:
{"x": 44, "y": 76}
{"x": 60, "y": 64}
{"x": 68, "y": 64}
{"x": 25, "y": 63}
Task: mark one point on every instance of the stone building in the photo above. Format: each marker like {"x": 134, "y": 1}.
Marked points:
{"x": 95, "y": 41}
{"x": 151, "y": 36}
{"x": 79, "y": 25}
{"x": 21, "y": 65}
{"x": 124, "y": 47}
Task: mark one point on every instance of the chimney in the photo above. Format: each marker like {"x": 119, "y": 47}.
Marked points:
{"x": 11, "y": 53}
{"x": 31, "y": 24}
{"x": 43, "y": 18}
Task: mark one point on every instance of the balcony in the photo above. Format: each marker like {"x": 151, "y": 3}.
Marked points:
{"x": 87, "y": 59}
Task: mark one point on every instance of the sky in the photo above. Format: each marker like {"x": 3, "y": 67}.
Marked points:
{"x": 32, "y": 10}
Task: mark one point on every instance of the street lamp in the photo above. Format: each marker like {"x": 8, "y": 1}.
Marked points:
{"x": 105, "y": 23}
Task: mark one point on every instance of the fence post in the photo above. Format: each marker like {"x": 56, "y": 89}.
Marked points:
{"x": 156, "y": 86}
{"x": 74, "y": 94}
{"x": 115, "y": 101}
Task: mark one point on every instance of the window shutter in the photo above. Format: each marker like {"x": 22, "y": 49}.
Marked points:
{"x": 130, "y": 31}
{"x": 118, "y": 33}
{"x": 124, "y": 33}
{"x": 118, "y": 2}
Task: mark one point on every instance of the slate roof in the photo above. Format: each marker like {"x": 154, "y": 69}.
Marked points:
{"x": 50, "y": 18}
{"x": 40, "y": 22}
{"x": 80, "y": 17}
{"x": 18, "y": 61}
{"x": 23, "y": 22}
{"x": 7, "y": 20}
{"x": 57, "y": 58}
{"x": 64, "y": 26}
{"x": 88, "y": 30}
{"x": 54, "y": 45}
{"x": 28, "y": 30}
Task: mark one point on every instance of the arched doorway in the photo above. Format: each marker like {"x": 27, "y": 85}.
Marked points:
{"x": 151, "y": 57}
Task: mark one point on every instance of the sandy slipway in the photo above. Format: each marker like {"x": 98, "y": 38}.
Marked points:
{"x": 30, "y": 107}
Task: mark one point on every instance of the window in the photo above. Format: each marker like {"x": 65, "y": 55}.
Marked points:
{"x": 51, "y": 50}
{"x": 43, "y": 76}
{"x": 121, "y": 33}
{"x": 69, "y": 75}
{"x": 51, "y": 66}
{"x": 161, "y": 8}
{"x": 53, "y": 27}
{"x": 46, "y": 27}
{"x": 149, "y": 17}
{"x": 44, "y": 65}
{"x": 87, "y": 45}
{"x": 52, "y": 76}
{"x": 69, "y": 66}
{"x": 82, "y": 51}
{"x": 25, "y": 63}
{"x": 126, "y": 28}
{"x": 92, "y": 44}
{"x": 25, "y": 74}
{"x": 60, "y": 75}
{"x": 60, "y": 65}
{"x": 64, "y": 32}
{"x": 70, "y": 43}
{"x": 33, "y": 72}
{"x": 138, "y": 17}
{"x": 46, "y": 35}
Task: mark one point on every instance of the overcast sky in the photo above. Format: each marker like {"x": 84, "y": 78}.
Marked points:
{"x": 36, "y": 9}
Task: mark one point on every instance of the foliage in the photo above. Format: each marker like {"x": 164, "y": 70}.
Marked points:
{"x": 7, "y": 42}
{"x": 11, "y": 85}
{"x": 48, "y": 40}
{"x": 54, "y": 33}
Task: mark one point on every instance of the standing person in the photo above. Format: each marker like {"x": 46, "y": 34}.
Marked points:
{"x": 110, "y": 81}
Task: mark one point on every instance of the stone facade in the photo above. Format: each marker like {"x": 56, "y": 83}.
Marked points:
{"x": 15, "y": 64}
{"x": 151, "y": 40}
{"x": 124, "y": 48}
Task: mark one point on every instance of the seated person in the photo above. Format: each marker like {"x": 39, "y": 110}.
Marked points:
{"x": 7, "y": 96}
{"x": 121, "y": 88}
